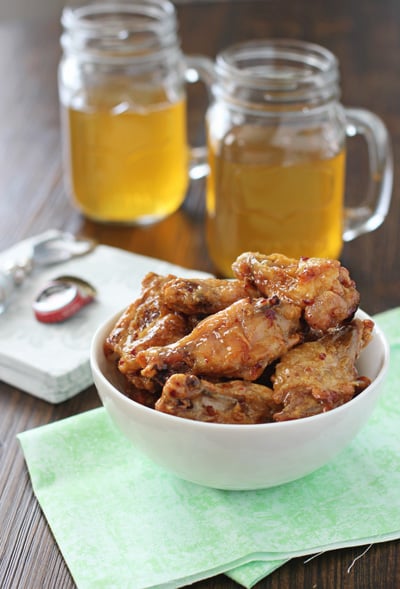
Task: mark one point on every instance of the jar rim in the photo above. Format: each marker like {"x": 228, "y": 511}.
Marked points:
{"x": 134, "y": 31}
{"x": 289, "y": 70}
{"x": 160, "y": 12}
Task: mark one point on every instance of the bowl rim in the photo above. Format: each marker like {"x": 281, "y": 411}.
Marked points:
{"x": 97, "y": 346}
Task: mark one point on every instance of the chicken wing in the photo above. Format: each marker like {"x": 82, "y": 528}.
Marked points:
{"x": 322, "y": 287}
{"x": 237, "y": 342}
{"x": 204, "y": 295}
{"x": 235, "y": 401}
{"x": 321, "y": 375}
{"x": 146, "y": 322}
{"x": 139, "y": 317}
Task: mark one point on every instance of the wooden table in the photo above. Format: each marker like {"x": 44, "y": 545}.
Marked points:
{"x": 366, "y": 38}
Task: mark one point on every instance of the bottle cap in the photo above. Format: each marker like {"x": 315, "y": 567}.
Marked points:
{"x": 62, "y": 298}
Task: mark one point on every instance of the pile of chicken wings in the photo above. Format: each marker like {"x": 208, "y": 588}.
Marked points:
{"x": 277, "y": 342}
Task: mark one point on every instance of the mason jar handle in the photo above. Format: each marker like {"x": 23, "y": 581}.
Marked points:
{"x": 372, "y": 210}
{"x": 199, "y": 68}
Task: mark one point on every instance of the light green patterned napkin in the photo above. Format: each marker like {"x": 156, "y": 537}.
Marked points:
{"x": 121, "y": 521}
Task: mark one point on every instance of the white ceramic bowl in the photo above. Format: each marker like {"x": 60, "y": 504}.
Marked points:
{"x": 240, "y": 456}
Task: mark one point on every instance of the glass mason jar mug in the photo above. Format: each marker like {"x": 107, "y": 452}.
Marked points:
{"x": 122, "y": 94}
{"x": 276, "y": 135}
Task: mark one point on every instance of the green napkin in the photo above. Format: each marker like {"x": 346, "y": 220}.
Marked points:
{"x": 123, "y": 522}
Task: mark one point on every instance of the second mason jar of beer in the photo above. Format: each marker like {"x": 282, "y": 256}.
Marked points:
{"x": 277, "y": 136}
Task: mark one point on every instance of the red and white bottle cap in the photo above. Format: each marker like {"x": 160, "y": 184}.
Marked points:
{"x": 62, "y": 298}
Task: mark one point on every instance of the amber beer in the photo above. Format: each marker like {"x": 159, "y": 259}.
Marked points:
{"x": 262, "y": 197}
{"x": 129, "y": 165}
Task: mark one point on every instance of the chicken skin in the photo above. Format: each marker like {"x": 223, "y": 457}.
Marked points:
{"x": 318, "y": 376}
{"x": 235, "y": 401}
{"x": 322, "y": 287}
{"x": 204, "y": 295}
{"x": 237, "y": 342}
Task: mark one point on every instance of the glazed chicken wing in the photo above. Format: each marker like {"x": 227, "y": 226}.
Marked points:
{"x": 235, "y": 401}
{"x": 237, "y": 342}
{"x": 204, "y": 295}
{"x": 322, "y": 287}
{"x": 140, "y": 317}
{"x": 321, "y": 375}
{"x": 146, "y": 322}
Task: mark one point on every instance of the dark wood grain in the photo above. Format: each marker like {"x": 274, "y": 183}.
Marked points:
{"x": 366, "y": 38}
